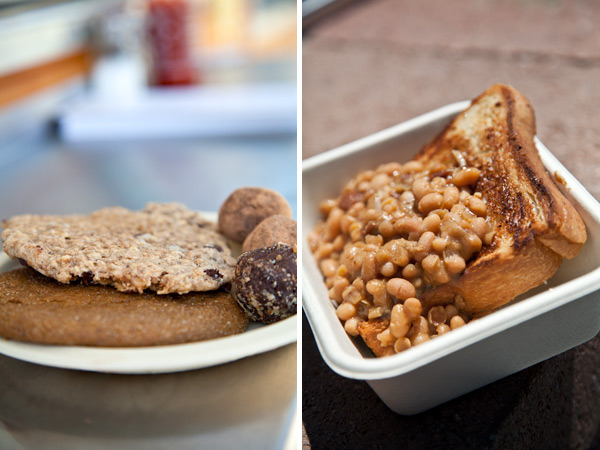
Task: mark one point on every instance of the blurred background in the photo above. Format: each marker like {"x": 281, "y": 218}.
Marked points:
{"x": 118, "y": 102}
{"x": 108, "y": 102}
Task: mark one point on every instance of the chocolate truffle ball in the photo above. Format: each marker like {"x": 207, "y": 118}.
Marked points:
{"x": 266, "y": 282}
{"x": 246, "y": 207}
{"x": 271, "y": 231}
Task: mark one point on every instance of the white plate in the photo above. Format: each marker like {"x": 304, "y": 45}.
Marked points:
{"x": 257, "y": 339}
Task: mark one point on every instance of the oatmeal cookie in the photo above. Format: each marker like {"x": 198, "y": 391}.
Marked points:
{"x": 164, "y": 247}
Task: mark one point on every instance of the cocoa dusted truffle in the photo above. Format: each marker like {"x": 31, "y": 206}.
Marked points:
{"x": 271, "y": 231}
{"x": 266, "y": 281}
{"x": 246, "y": 207}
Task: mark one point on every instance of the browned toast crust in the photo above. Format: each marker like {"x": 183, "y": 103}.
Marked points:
{"x": 535, "y": 224}
{"x": 369, "y": 329}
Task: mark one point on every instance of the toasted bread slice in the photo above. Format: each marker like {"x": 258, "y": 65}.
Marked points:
{"x": 369, "y": 329}
{"x": 535, "y": 225}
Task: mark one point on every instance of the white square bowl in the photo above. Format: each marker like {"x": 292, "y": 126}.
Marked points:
{"x": 548, "y": 320}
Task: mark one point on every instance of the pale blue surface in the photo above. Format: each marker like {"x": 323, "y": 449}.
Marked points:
{"x": 56, "y": 177}
{"x": 40, "y": 173}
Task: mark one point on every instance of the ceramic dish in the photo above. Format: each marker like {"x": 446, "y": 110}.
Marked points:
{"x": 258, "y": 338}
{"x": 548, "y": 320}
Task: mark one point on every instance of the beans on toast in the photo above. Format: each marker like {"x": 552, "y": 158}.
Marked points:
{"x": 535, "y": 225}
{"x": 411, "y": 251}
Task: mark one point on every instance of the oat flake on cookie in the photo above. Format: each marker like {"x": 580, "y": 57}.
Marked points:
{"x": 164, "y": 247}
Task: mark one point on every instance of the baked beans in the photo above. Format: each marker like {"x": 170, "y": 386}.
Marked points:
{"x": 391, "y": 235}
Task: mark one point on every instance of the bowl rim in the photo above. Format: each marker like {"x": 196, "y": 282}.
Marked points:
{"x": 321, "y": 315}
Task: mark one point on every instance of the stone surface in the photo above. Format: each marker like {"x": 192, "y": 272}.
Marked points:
{"x": 554, "y": 27}
{"x": 356, "y": 85}
{"x": 550, "y": 405}
{"x": 375, "y": 64}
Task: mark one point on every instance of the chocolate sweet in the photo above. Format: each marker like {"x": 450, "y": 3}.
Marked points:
{"x": 266, "y": 282}
{"x": 246, "y": 207}
{"x": 271, "y": 231}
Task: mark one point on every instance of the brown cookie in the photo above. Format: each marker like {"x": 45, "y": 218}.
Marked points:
{"x": 165, "y": 247}
{"x": 35, "y": 308}
{"x": 272, "y": 230}
{"x": 246, "y": 207}
{"x": 266, "y": 283}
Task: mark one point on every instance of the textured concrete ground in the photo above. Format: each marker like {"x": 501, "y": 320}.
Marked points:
{"x": 377, "y": 63}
